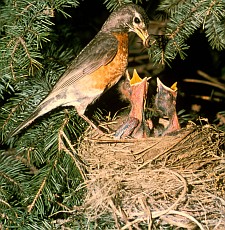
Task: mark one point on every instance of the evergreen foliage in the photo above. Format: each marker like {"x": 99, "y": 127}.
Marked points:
{"x": 184, "y": 19}
{"x": 40, "y": 182}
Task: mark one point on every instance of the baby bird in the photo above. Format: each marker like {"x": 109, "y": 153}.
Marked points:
{"x": 135, "y": 90}
{"x": 165, "y": 103}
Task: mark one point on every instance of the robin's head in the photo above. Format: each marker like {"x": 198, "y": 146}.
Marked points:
{"x": 129, "y": 18}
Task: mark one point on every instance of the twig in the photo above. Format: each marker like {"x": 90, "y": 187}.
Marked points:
{"x": 62, "y": 146}
{"x": 157, "y": 214}
{"x": 207, "y": 77}
{"x": 217, "y": 85}
{"x": 209, "y": 98}
{"x": 30, "y": 207}
{"x": 167, "y": 150}
{"x": 147, "y": 210}
{"x": 138, "y": 58}
{"x": 103, "y": 141}
{"x": 173, "y": 212}
{"x": 5, "y": 203}
{"x": 75, "y": 159}
{"x": 180, "y": 224}
{"x": 169, "y": 210}
{"x": 66, "y": 211}
{"x": 116, "y": 213}
{"x": 143, "y": 152}
{"x": 218, "y": 198}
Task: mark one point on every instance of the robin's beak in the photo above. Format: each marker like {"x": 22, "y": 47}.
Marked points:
{"x": 144, "y": 35}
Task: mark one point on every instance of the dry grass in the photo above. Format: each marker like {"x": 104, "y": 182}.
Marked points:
{"x": 155, "y": 182}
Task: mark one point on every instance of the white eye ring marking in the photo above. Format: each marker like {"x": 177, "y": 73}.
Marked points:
{"x": 137, "y": 20}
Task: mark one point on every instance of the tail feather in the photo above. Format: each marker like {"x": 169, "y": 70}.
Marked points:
{"x": 25, "y": 123}
{"x": 45, "y": 107}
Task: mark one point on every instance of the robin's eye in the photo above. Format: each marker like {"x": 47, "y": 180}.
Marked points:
{"x": 137, "y": 20}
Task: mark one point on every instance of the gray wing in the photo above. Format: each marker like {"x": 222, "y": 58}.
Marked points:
{"x": 99, "y": 52}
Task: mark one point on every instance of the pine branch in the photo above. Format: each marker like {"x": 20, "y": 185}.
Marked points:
{"x": 113, "y": 4}
{"x": 185, "y": 17}
{"x": 53, "y": 172}
{"x": 13, "y": 177}
{"x": 24, "y": 34}
{"x": 214, "y": 25}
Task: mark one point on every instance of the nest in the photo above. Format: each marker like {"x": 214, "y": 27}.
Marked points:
{"x": 158, "y": 182}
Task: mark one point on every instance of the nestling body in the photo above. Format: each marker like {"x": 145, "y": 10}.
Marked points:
{"x": 165, "y": 103}
{"x": 135, "y": 90}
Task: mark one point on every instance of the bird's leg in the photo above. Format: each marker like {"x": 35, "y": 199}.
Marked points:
{"x": 91, "y": 123}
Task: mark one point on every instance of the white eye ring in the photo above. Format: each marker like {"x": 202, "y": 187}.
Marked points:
{"x": 137, "y": 20}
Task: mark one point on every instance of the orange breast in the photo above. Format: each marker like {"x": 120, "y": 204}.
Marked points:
{"x": 108, "y": 75}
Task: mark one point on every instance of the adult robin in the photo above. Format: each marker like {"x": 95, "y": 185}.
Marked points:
{"x": 99, "y": 65}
